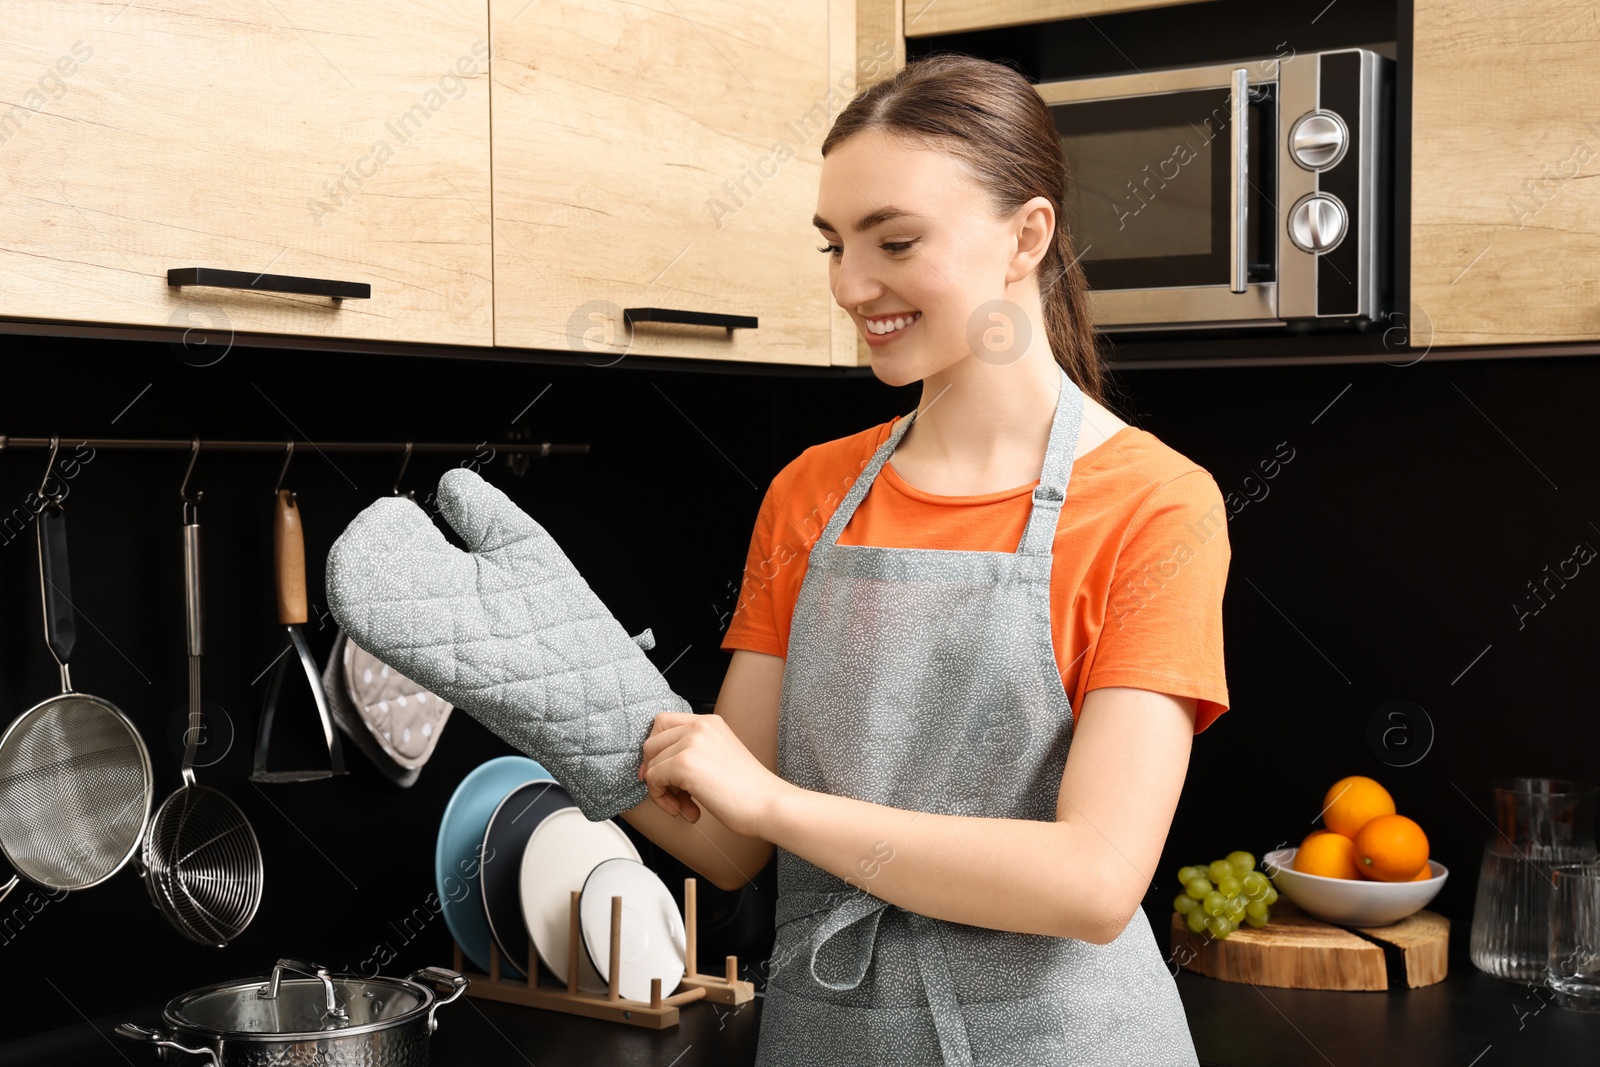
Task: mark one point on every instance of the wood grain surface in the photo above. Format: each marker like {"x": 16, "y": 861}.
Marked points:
{"x": 1295, "y": 951}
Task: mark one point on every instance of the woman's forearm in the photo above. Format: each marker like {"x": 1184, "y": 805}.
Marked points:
{"x": 1021, "y": 875}
{"x": 726, "y": 859}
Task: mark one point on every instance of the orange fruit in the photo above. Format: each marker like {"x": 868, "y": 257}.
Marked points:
{"x": 1391, "y": 848}
{"x": 1328, "y": 854}
{"x": 1351, "y": 801}
{"x": 1424, "y": 874}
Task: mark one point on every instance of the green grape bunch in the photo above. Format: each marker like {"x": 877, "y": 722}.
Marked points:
{"x": 1218, "y": 897}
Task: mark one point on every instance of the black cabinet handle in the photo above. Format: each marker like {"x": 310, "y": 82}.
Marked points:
{"x": 270, "y": 283}
{"x": 690, "y": 318}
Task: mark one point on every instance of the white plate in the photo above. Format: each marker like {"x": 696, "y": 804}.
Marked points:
{"x": 561, "y": 852}
{"x": 654, "y": 944}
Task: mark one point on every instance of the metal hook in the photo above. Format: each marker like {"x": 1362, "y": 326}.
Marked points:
{"x": 50, "y": 465}
{"x": 288, "y": 455}
{"x": 183, "y": 490}
{"x": 404, "y": 463}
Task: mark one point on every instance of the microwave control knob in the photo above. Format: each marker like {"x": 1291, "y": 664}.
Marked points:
{"x": 1318, "y": 140}
{"x": 1317, "y": 223}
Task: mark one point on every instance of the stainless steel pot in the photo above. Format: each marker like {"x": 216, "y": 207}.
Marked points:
{"x": 322, "y": 1021}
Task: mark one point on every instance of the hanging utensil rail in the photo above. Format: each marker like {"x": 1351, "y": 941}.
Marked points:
{"x": 544, "y": 448}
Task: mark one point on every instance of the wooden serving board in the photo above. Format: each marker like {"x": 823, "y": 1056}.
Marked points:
{"x": 1295, "y": 951}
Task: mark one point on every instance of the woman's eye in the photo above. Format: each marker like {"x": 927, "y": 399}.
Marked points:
{"x": 892, "y": 247}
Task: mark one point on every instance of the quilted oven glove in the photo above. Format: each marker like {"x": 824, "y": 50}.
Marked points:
{"x": 507, "y": 631}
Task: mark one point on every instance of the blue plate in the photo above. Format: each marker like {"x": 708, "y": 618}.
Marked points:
{"x": 456, "y": 856}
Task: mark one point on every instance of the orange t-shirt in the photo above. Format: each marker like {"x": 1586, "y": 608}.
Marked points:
{"x": 1139, "y": 562}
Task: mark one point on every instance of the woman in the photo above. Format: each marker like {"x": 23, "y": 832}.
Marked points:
{"x": 962, "y": 697}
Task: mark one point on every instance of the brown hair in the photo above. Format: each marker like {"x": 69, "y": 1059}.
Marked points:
{"x": 991, "y": 118}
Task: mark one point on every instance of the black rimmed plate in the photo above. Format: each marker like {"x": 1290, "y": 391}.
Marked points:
{"x": 505, "y": 838}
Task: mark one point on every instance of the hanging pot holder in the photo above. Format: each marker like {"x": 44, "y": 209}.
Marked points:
{"x": 391, "y": 718}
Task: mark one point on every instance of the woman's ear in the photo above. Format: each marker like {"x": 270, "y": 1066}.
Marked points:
{"x": 1035, "y": 227}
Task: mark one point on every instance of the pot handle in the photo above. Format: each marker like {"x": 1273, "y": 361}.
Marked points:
{"x": 160, "y": 1040}
{"x": 437, "y": 976}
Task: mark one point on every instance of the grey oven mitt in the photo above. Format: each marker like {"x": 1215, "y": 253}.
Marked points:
{"x": 508, "y": 632}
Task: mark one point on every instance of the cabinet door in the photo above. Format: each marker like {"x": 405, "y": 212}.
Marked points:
{"x": 925, "y": 18}
{"x": 1504, "y": 241}
{"x": 333, "y": 141}
{"x": 877, "y": 45}
{"x": 660, "y": 154}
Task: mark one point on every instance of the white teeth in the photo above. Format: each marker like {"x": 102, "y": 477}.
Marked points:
{"x": 891, "y": 325}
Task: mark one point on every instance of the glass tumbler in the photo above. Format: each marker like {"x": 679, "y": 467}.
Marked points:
{"x": 1573, "y": 972}
{"x": 1540, "y": 823}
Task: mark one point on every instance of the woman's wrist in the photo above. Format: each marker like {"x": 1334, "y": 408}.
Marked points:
{"x": 777, "y": 814}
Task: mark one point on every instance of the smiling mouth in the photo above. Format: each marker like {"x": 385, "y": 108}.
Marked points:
{"x": 891, "y": 326}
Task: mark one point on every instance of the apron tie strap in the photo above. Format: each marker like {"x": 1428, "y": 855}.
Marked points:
{"x": 862, "y": 910}
{"x": 941, "y": 990}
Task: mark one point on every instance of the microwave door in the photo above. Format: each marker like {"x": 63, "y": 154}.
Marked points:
{"x": 1165, "y": 234}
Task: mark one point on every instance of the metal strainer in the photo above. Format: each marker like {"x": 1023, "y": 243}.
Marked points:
{"x": 75, "y": 781}
{"x": 201, "y": 857}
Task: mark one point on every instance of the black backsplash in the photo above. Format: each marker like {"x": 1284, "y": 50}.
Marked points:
{"x": 1389, "y": 557}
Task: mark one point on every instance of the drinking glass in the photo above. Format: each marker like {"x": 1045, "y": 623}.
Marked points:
{"x": 1573, "y": 972}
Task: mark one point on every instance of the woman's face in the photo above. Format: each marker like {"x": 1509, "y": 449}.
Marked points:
{"x": 932, "y": 250}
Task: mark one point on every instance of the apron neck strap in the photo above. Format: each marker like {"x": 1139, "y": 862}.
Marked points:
{"x": 1039, "y": 537}
{"x": 1051, "y": 493}
{"x": 858, "y": 488}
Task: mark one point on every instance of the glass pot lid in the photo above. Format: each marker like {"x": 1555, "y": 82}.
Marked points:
{"x": 286, "y": 1004}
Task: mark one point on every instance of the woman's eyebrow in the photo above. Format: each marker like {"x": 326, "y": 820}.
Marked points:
{"x": 867, "y": 222}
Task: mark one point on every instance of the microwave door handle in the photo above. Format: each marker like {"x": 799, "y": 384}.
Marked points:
{"x": 1240, "y": 207}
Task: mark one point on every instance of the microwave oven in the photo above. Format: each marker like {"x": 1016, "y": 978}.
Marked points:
{"x": 1249, "y": 194}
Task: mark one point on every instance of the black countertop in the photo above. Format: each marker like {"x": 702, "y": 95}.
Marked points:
{"x": 1468, "y": 1020}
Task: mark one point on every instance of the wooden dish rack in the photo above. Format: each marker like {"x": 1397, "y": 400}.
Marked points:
{"x": 658, "y": 1013}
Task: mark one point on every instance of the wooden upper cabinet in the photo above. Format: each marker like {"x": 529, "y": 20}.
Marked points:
{"x": 662, "y": 154}
{"x": 346, "y": 142}
{"x": 1504, "y": 243}
{"x": 925, "y": 18}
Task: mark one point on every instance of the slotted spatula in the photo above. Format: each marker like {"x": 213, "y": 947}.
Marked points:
{"x": 289, "y": 559}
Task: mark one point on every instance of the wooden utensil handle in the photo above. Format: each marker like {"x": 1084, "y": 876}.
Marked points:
{"x": 289, "y": 555}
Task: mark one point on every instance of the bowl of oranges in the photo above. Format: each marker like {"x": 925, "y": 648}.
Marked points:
{"x": 1368, "y": 866}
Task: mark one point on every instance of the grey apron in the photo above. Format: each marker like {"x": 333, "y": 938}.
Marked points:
{"x": 926, "y": 679}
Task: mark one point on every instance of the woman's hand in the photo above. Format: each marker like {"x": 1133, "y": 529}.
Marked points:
{"x": 694, "y": 762}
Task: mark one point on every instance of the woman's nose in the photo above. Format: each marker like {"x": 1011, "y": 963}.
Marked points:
{"x": 854, "y": 285}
